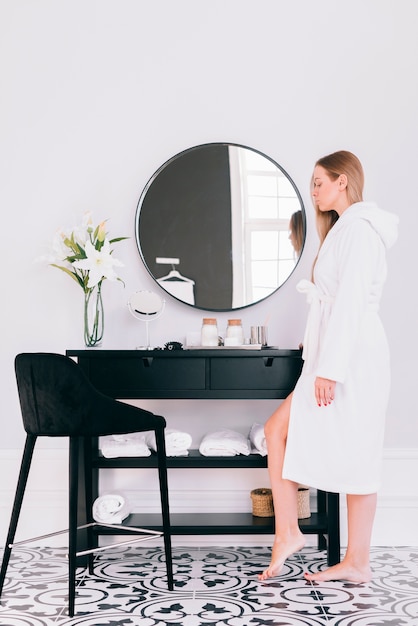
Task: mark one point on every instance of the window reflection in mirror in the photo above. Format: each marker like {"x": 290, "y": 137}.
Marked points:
{"x": 221, "y": 215}
{"x": 263, "y": 201}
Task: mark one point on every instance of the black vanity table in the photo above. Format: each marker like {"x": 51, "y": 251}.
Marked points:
{"x": 205, "y": 374}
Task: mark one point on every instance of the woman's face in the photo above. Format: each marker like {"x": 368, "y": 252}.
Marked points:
{"x": 326, "y": 192}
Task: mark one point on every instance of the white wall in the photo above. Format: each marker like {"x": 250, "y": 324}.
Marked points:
{"x": 96, "y": 95}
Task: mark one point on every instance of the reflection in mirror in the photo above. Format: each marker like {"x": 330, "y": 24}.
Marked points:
{"x": 220, "y": 226}
{"x": 297, "y": 232}
{"x": 146, "y": 306}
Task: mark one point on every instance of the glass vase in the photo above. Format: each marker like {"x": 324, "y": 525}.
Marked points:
{"x": 93, "y": 317}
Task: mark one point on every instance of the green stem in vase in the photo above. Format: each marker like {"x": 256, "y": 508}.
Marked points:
{"x": 93, "y": 316}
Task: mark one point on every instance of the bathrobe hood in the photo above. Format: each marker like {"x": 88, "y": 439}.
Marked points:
{"x": 383, "y": 222}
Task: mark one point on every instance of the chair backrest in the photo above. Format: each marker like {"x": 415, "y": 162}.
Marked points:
{"x": 57, "y": 400}
{"x": 54, "y": 394}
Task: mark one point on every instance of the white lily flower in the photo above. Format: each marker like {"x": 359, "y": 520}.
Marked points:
{"x": 81, "y": 232}
{"x": 80, "y": 235}
{"x": 99, "y": 264}
{"x": 59, "y": 250}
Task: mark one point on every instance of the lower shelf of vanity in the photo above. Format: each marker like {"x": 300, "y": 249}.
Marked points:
{"x": 218, "y": 524}
{"x": 207, "y": 523}
{"x": 194, "y": 459}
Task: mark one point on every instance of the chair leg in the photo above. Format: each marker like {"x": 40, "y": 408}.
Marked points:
{"x": 17, "y": 505}
{"x": 72, "y": 521}
{"x": 165, "y": 509}
{"x": 88, "y": 495}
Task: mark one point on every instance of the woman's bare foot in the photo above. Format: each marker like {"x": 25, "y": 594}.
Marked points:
{"x": 342, "y": 571}
{"x": 281, "y": 551}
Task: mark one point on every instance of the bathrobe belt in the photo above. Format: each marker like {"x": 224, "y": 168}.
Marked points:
{"x": 316, "y": 299}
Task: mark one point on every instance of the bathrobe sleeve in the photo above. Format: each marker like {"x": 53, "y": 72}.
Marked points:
{"x": 356, "y": 251}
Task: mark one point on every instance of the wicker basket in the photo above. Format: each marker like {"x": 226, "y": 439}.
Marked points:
{"x": 304, "y": 508}
{"x": 262, "y": 501}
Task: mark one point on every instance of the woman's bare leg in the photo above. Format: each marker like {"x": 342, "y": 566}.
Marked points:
{"x": 355, "y": 566}
{"x": 288, "y": 537}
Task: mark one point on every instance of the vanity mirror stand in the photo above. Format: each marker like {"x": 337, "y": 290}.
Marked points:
{"x": 146, "y": 306}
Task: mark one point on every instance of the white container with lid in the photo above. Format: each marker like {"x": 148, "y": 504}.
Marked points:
{"x": 235, "y": 333}
{"x": 209, "y": 333}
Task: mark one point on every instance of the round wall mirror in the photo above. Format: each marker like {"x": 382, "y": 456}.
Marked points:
{"x": 220, "y": 226}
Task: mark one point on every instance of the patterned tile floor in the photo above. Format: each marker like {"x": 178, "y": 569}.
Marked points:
{"x": 214, "y": 587}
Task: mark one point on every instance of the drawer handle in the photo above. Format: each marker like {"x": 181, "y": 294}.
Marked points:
{"x": 147, "y": 361}
{"x": 268, "y": 361}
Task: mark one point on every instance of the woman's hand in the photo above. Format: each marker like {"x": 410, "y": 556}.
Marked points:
{"x": 324, "y": 391}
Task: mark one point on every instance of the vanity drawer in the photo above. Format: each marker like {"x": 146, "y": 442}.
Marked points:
{"x": 146, "y": 373}
{"x": 266, "y": 373}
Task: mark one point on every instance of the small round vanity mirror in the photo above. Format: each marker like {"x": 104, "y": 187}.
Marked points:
{"x": 220, "y": 226}
{"x": 146, "y": 306}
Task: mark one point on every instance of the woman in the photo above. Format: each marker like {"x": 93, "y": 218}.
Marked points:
{"x": 329, "y": 432}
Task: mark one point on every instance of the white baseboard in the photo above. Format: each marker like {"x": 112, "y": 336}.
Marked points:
{"x": 45, "y": 504}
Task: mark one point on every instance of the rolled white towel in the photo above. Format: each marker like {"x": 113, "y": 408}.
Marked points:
{"x": 111, "y": 508}
{"x": 257, "y": 439}
{"x": 224, "y": 443}
{"x": 133, "y": 444}
{"x": 177, "y": 443}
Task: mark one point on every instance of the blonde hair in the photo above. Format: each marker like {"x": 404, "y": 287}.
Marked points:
{"x": 297, "y": 228}
{"x": 335, "y": 164}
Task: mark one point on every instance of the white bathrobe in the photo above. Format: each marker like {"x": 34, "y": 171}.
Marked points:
{"x": 338, "y": 447}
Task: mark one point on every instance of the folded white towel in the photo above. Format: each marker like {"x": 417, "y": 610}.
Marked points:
{"x": 133, "y": 444}
{"x": 177, "y": 443}
{"x": 111, "y": 508}
{"x": 224, "y": 443}
{"x": 257, "y": 439}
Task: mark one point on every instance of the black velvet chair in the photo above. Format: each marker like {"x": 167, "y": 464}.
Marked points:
{"x": 57, "y": 400}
